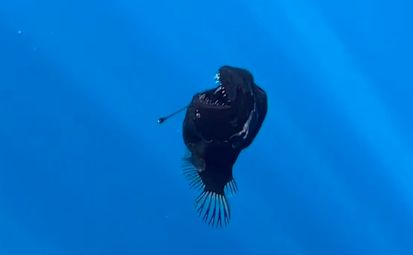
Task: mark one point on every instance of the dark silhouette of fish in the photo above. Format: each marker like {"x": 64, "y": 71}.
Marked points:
{"x": 220, "y": 123}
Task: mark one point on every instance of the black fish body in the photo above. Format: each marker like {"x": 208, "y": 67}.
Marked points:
{"x": 218, "y": 125}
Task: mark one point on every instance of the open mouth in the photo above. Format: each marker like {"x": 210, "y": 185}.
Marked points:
{"x": 218, "y": 97}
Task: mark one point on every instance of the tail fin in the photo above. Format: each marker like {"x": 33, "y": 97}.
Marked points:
{"x": 211, "y": 204}
{"x": 213, "y": 208}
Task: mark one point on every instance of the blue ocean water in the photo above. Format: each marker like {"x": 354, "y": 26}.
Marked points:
{"x": 85, "y": 168}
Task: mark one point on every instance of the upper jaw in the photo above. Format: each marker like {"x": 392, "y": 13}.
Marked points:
{"x": 232, "y": 83}
{"x": 218, "y": 97}
{"x": 236, "y": 81}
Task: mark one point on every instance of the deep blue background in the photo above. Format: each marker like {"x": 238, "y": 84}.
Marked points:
{"x": 85, "y": 169}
